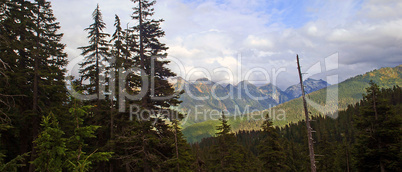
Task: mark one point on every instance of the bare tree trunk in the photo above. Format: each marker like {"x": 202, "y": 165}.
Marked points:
{"x": 35, "y": 122}
{"x": 145, "y": 99}
{"x": 97, "y": 76}
{"x": 309, "y": 129}
{"x": 379, "y": 139}
{"x": 347, "y": 159}
{"x": 177, "y": 147}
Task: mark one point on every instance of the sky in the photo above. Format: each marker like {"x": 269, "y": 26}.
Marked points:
{"x": 229, "y": 41}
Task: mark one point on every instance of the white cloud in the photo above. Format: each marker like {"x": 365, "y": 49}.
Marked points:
{"x": 210, "y": 34}
{"x": 377, "y": 10}
{"x": 258, "y": 42}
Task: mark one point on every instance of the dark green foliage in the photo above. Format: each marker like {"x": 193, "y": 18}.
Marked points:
{"x": 325, "y": 155}
{"x": 13, "y": 164}
{"x": 142, "y": 147}
{"x": 378, "y": 138}
{"x": 271, "y": 152}
{"x": 51, "y": 59}
{"x": 147, "y": 142}
{"x": 226, "y": 154}
{"x": 33, "y": 62}
{"x": 184, "y": 158}
{"x": 77, "y": 158}
{"x": 149, "y": 54}
{"x": 32, "y": 55}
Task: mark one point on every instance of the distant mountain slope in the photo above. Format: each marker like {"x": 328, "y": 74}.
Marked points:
{"x": 205, "y": 97}
{"x": 310, "y": 85}
{"x": 275, "y": 93}
{"x": 349, "y": 92}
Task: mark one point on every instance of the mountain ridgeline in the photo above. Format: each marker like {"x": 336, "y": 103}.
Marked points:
{"x": 204, "y": 98}
{"x": 322, "y": 102}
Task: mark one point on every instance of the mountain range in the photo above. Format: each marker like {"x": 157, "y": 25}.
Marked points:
{"x": 328, "y": 101}
{"x": 204, "y": 97}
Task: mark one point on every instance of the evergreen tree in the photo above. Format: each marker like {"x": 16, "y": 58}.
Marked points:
{"x": 343, "y": 161}
{"x": 272, "y": 153}
{"x": 326, "y": 155}
{"x": 119, "y": 53}
{"x": 77, "y": 158}
{"x": 378, "y": 141}
{"x": 96, "y": 55}
{"x": 226, "y": 154}
{"x": 56, "y": 152}
{"x": 153, "y": 139}
{"x": 183, "y": 158}
{"x": 51, "y": 146}
{"x": 226, "y": 139}
{"x": 35, "y": 60}
{"x": 149, "y": 56}
{"x": 143, "y": 147}
{"x": 120, "y": 61}
{"x": 94, "y": 73}
{"x": 16, "y": 30}
{"x": 295, "y": 156}
{"x": 50, "y": 60}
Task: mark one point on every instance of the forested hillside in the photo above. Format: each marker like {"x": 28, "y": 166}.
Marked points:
{"x": 351, "y": 142}
{"x": 349, "y": 92}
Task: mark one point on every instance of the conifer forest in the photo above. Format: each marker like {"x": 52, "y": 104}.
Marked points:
{"x": 121, "y": 111}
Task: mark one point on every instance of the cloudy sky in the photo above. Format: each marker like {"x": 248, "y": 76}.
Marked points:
{"x": 257, "y": 40}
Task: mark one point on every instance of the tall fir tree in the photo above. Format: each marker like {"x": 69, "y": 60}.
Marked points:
{"x": 49, "y": 62}
{"x": 150, "y": 55}
{"x": 119, "y": 61}
{"x": 227, "y": 155}
{"x": 153, "y": 139}
{"x": 96, "y": 55}
{"x": 325, "y": 154}
{"x": 220, "y": 152}
{"x": 16, "y": 26}
{"x": 94, "y": 71}
{"x": 119, "y": 53}
{"x": 184, "y": 159}
{"x": 378, "y": 141}
{"x": 272, "y": 154}
{"x": 36, "y": 63}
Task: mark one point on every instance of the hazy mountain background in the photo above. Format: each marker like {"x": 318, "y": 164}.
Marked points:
{"x": 349, "y": 92}
{"x": 205, "y": 97}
